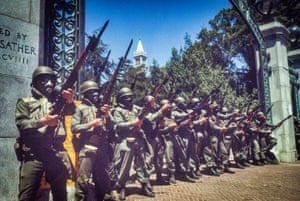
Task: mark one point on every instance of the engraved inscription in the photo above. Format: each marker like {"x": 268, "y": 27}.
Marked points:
{"x": 14, "y": 46}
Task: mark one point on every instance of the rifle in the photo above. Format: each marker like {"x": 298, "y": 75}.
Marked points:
{"x": 101, "y": 68}
{"x": 223, "y": 98}
{"x": 281, "y": 122}
{"x": 59, "y": 101}
{"x": 269, "y": 109}
{"x": 108, "y": 89}
{"x": 232, "y": 119}
{"x": 147, "y": 107}
{"x": 204, "y": 100}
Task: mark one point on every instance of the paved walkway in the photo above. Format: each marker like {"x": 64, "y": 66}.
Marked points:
{"x": 255, "y": 183}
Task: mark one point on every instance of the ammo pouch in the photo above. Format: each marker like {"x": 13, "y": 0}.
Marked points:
{"x": 22, "y": 151}
{"x": 18, "y": 147}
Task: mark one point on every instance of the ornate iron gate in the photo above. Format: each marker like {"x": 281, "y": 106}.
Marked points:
{"x": 64, "y": 35}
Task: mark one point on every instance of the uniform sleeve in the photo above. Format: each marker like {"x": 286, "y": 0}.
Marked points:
{"x": 119, "y": 120}
{"x": 153, "y": 116}
{"x": 23, "y": 120}
{"x": 76, "y": 125}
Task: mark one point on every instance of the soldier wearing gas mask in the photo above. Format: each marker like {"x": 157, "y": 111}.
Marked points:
{"x": 40, "y": 146}
{"x": 131, "y": 144}
{"x": 185, "y": 139}
{"x": 93, "y": 181}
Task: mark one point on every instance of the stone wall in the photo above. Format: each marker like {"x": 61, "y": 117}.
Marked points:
{"x": 20, "y": 39}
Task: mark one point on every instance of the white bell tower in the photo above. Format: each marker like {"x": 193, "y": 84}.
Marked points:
{"x": 140, "y": 56}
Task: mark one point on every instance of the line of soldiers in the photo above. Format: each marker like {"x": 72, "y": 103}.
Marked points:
{"x": 195, "y": 133}
{"x": 116, "y": 139}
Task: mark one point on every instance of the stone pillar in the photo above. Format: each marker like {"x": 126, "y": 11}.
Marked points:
{"x": 275, "y": 37}
{"x": 20, "y": 45}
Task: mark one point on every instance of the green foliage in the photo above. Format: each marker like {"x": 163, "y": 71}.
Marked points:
{"x": 222, "y": 55}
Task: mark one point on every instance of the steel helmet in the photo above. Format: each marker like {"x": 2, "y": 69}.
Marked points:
{"x": 260, "y": 115}
{"x": 42, "y": 70}
{"x": 225, "y": 110}
{"x": 88, "y": 85}
{"x": 195, "y": 100}
{"x": 164, "y": 101}
{"x": 125, "y": 91}
{"x": 179, "y": 100}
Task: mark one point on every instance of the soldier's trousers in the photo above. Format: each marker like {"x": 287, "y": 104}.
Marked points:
{"x": 85, "y": 186}
{"x": 199, "y": 148}
{"x": 255, "y": 148}
{"x": 211, "y": 152}
{"x": 158, "y": 147}
{"x": 239, "y": 148}
{"x": 224, "y": 151}
{"x": 31, "y": 172}
{"x": 263, "y": 147}
{"x": 211, "y": 157}
{"x": 169, "y": 152}
{"x": 181, "y": 159}
{"x": 126, "y": 152}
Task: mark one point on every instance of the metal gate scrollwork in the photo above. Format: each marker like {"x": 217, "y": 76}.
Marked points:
{"x": 62, "y": 36}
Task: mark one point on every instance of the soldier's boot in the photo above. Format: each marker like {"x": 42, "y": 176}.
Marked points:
{"x": 187, "y": 178}
{"x": 245, "y": 163}
{"x": 239, "y": 165}
{"x": 193, "y": 175}
{"x": 172, "y": 179}
{"x": 258, "y": 163}
{"x": 264, "y": 162}
{"x": 160, "y": 180}
{"x": 228, "y": 170}
{"x": 122, "y": 195}
{"x": 147, "y": 190}
{"x": 212, "y": 171}
{"x": 198, "y": 172}
{"x": 220, "y": 169}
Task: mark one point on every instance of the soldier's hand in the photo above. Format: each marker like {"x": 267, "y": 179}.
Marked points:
{"x": 173, "y": 126}
{"x": 95, "y": 123}
{"x": 165, "y": 107}
{"x": 186, "y": 122}
{"x": 137, "y": 123}
{"x": 105, "y": 109}
{"x": 224, "y": 129}
{"x": 68, "y": 95}
{"x": 49, "y": 119}
{"x": 203, "y": 120}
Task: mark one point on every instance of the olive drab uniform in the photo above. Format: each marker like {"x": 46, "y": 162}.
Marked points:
{"x": 131, "y": 144}
{"x": 200, "y": 127}
{"x": 239, "y": 143}
{"x": 266, "y": 141}
{"x": 93, "y": 180}
{"x": 211, "y": 149}
{"x": 185, "y": 141}
{"x": 227, "y": 121}
{"x": 151, "y": 129}
{"x": 40, "y": 149}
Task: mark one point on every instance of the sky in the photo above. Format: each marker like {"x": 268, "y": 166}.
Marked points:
{"x": 159, "y": 24}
